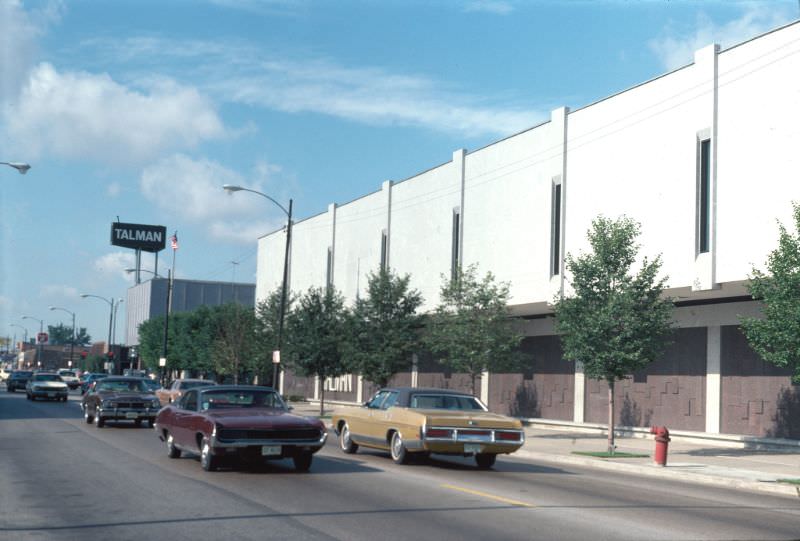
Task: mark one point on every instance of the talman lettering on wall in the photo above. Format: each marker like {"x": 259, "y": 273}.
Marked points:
{"x": 148, "y": 238}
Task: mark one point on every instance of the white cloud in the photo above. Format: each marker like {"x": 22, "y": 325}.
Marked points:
{"x": 498, "y": 7}
{"x": 58, "y": 292}
{"x": 114, "y": 189}
{"x": 114, "y": 264}
{"x": 676, "y": 48}
{"x": 190, "y": 190}
{"x": 84, "y": 115}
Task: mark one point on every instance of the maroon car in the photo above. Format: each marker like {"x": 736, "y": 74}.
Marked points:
{"x": 238, "y": 422}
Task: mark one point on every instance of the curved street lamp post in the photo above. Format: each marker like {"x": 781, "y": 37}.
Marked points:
{"x": 39, "y": 345}
{"x": 232, "y": 188}
{"x": 110, "y": 315}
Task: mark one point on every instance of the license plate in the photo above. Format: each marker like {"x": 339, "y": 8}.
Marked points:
{"x": 472, "y": 448}
{"x": 131, "y": 415}
{"x": 51, "y": 395}
{"x": 270, "y": 450}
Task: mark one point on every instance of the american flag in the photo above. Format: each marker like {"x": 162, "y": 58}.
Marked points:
{"x": 174, "y": 240}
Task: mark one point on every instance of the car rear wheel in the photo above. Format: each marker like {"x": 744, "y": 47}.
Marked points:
{"x": 398, "y": 449}
{"x": 99, "y": 422}
{"x": 208, "y": 461}
{"x": 345, "y": 442}
{"x": 302, "y": 461}
{"x": 172, "y": 451}
{"x": 485, "y": 460}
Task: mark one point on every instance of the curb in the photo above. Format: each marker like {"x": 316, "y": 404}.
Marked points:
{"x": 771, "y": 487}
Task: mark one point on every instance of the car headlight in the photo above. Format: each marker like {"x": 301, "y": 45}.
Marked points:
{"x": 107, "y": 404}
{"x": 156, "y": 403}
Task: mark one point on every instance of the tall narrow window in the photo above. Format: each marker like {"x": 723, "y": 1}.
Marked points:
{"x": 555, "y": 228}
{"x": 455, "y": 256}
{"x": 704, "y": 198}
{"x": 329, "y": 269}
{"x": 384, "y": 249}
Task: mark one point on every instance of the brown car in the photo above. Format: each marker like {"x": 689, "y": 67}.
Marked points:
{"x": 119, "y": 398}
{"x": 413, "y": 421}
{"x": 174, "y": 392}
{"x": 241, "y": 422}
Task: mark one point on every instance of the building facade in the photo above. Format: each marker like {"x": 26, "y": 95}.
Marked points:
{"x": 149, "y": 299}
{"x": 704, "y": 158}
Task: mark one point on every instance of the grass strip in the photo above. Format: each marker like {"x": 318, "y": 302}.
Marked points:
{"x": 790, "y": 481}
{"x": 606, "y": 454}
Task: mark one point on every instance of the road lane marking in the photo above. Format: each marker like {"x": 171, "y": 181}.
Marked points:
{"x": 487, "y": 495}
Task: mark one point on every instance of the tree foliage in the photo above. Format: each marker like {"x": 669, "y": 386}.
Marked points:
{"x": 384, "y": 328}
{"x": 317, "y": 336}
{"x": 233, "y": 345}
{"x": 616, "y": 322}
{"x": 776, "y": 336}
{"x": 268, "y": 315}
{"x": 471, "y": 330}
{"x": 61, "y": 335}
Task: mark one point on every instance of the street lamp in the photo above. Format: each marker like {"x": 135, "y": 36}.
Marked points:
{"x": 129, "y": 271}
{"x": 116, "y": 306}
{"x": 110, "y": 315}
{"x": 21, "y": 167}
{"x": 40, "y": 352}
{"x": 72, "y": 341}
{"x": 232, "y": 188}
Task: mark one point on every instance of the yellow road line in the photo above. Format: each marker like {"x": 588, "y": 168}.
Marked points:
{"x": 487, "y": 495}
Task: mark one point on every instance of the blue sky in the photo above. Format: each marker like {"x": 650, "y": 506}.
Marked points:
{"x": 142, "y": 109}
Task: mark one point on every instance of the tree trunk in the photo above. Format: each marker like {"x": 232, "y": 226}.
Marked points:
{"x": 611, "y": 416}
{"x": 321, "y": 396}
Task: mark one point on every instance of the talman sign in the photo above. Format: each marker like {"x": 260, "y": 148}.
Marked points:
{"x": 148, "y": 238}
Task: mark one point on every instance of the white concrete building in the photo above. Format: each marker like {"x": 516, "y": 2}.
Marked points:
{"x": 706, "y": 158}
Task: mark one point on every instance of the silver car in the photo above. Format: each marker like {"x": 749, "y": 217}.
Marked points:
{"x": 46, "y": 385}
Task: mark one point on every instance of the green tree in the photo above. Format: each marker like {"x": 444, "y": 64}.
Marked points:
{"x": 61, "y": 335}
{"x": 471, "y": 330}
{"x": 616, "y": 322}
{"x": 317, "y": 336}
{"x": 776, "y": 336}
{"x": 384, "y": 328}
{"x": 234, "y": 340}
{"x": 268, "y": 313}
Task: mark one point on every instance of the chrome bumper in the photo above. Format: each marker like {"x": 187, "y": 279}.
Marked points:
{"x": 318, "y": 443}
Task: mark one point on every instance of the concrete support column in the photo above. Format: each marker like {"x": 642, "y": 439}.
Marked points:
{"x": 557, "y": 166}
{"x": 360, "y": 389}
{"x": 459, "y": 157}
{"x": 713, "y": 380}
{"x": 485, "y": 387}
{"x": 580, "y": 394}
{"x": 316, "y": 387}
{"x": 386, "y": 190}
{"x": 414, "y": 370}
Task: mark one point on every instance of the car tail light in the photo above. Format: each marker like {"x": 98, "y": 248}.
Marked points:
{"x": 438, "y": 433}
{"x": 506, "y": 436}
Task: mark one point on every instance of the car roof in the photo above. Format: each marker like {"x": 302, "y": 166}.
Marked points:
{"x": 123, "y": 378}
{"x": 217, "y": 388}
{"x": 405, "y": 393}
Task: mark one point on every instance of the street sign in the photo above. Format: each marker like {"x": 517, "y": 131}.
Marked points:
{"x": 276, "y": 356}
{"x": 162, "y": 362}
{"x": 41, "y": 337}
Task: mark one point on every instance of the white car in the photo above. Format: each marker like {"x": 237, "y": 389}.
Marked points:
{"x": 70, "y": 378}
{"x": 4, "y": 373}
{"x": 46, "y": 385}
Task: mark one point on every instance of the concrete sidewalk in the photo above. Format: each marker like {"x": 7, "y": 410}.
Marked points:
{"x": 745, "y": 463}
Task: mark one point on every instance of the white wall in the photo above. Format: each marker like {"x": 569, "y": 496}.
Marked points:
{"x": 634, "y": 153}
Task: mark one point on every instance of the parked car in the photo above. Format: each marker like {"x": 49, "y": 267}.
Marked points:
{"x": 119, "y": 398}
{"x": 180, "y": 386}
{"x": 18, "y": 380}
{"x": 69, "y": 377}
{"x": 4, "y": 373}
{"x": 88, "y": 378}
{"x": 238, "y": 422}
{"x": 47, "y": 385}
{"x": 413, "y": 421}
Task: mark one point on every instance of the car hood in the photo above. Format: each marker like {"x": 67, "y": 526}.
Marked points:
{"x": 469, "y": 419}
{"x": 260, "y": 418}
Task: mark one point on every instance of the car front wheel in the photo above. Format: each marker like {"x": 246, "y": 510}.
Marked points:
{"x": 208, "y": 461}
{"x": 398, "y": 449}
{"x": 99, "y": 422}
{"x": 88, "y": 418}
{"x": 302, "y": 461}
{"x": 172, "y": 451}
{"x": 345, "y": 442}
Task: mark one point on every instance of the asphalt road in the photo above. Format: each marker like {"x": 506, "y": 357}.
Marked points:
{"x": 63, "y": 479}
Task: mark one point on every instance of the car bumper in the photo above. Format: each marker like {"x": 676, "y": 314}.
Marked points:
{"x": 49, "y": 394}
{"x": 275, "y": 448}
{"x": 126, "y": 414}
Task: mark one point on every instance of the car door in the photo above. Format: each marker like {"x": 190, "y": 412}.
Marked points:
{"x": 182, "y": 413}
{"x": 382, "y": 418}
{"x": 362, "y": 427}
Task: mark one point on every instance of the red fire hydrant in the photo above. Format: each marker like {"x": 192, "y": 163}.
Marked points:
{"x": 662, "y": 444}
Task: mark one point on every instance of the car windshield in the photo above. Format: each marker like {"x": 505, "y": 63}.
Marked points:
{"x": 152, "y": 384}
{"x": 47, "y": 377}
{"x": 445, "y": 402}
{"x": 22, "y": 374}
{"x": 121, "y": 385}
{"x": 193, "y": 384}
{"x": 211, "y": 400}
{"x": 66, "y": 373}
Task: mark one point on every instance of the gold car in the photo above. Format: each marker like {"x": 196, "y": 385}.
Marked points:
{"x": 411, "y": 421}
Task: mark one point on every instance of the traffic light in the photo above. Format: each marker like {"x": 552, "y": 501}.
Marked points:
{"x": 110, "y": 354}
{"x": 84, "y": 354}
